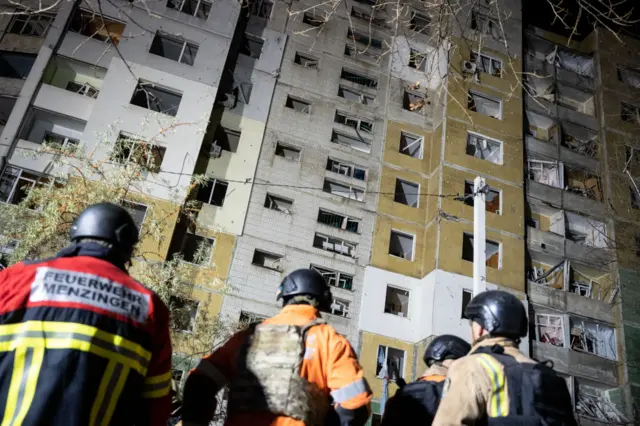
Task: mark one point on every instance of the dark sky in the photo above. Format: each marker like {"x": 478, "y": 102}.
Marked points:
{"x": 540, "y": 14}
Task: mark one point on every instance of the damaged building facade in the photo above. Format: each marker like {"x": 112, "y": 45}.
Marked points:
{"x": 347, "y": 141}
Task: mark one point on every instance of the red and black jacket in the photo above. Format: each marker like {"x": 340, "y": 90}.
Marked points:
{"x": 82, "y": 343}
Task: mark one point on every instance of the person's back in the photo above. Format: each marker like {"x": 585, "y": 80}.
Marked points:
{"x": 328, "y": 366}
{"x": 418, "y": 402}
{"x": 83, "y": 343}
{"x": 496, "y": 384}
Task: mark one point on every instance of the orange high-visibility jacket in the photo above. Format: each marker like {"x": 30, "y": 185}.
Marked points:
{"x": 329, "y": 362}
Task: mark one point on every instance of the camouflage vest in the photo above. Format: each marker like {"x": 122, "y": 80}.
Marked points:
{"x": 268, "y": 377}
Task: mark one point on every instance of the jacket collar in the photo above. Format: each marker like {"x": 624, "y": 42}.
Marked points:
{"x": 95, "y": 250}
{"x": 436, "y": 370}
{"x": 306, "y": 311}
{"x": 491, "y": 341}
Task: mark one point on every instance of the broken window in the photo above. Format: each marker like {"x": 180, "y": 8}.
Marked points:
{"x": 407, "y": 193}
{"x": 575, "y": 99}
{"x": 339, "y": 221}
{"x": 485, "y": 25}
{"x": 579, "y": 139}
{"x": 492, "y": 251}
{"x": 356, "y": 95}
{"x": 260, "y": 8}
{"x": 632, "y": 160}
{"x": 96, "y": 26}
{"x": 417, "y": 60}
{"x": 251, "y": 46}
{"x": 343, "y": 190}
{"x": 334, "y": 245}
{"x": 137, "y": 211}
{"x": 549, "y": 276}
{"x": 411, "y": 145}
{"x": 419, "y": 23}
{"x": 583, "y": 183}
{"x": 484, "y": 148}
{"x": 174, "y": 48}
{"x": 546, "y": 172}
{"x": 396, "y": 302}
{"x": 571, "y": 60}
{"x": 16, "y": 183}
{"x": 390, "y": 363}
{"x": 585, "y": 230}
{"x": 197, "y": 249}
{"x": 596, "y": 403}
{"x": 594, "y": 338}
{"x": 84, "y": 89}
{"x": 242, "y": 91}
{"x": 213, "y": 192}
{"x": 227, "y": 139}
{"x": 288, "y": 152}
{"x": 368, "y": 17}
{"x": 346, "y": 169}
{"x": 484, "y": 105}
{"x": 370, "y": 44}
{"x": 355, "y": 142}
{"x": 159, "y": 99}
{"x": 35, "y": 24}
{"x": 340, "y": 307}
{"x": 629, "y": 77}
{"x": 6, "y": 106}
{"x": 487, "y": 64}
{"x": 401, "y": 245}
{"x": 298, "y": 105}
{"x": 129, "y": 149}
{"x": 491, "y": 197}
{"x": 335, "y": 278}
{"x": 549, "y": 329}
{"x": 467, "y": 295}
{"x": 281, "y": 204}
{"x": 629, "y": 113}
{"x": 60, "y": 141}
{"x": 352, "y": 121}
{"x": 413, "y": 102}
{"x": 15, "y": 64}
{"x": 183, "y": 313}
{"x": 363, "y": 80}
{"x": 311, "y": 19}
{"x": 306, "y": 60}
{"x": 267, "y": 260}
{"x": 250, "y": 317}
{"x": 198, "y": 8}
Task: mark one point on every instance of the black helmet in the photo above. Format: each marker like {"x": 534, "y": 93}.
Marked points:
{"x": 498, "y": 312}
{"x": 308, "y": 282}
{"x": 107, "y": 222}
{"x": 445, "y": 347}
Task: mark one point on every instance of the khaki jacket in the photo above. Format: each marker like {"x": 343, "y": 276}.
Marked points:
{"x": 435, "y": 373}
{"x": 469, "y": 394}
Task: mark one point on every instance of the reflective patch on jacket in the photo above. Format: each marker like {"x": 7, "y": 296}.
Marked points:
{"x": 269, "y": 378}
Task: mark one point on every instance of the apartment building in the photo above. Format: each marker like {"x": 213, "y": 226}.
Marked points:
{"x": 111, "y": 80}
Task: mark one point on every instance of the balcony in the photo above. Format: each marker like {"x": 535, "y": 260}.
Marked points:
{"x": 565, "y": 301}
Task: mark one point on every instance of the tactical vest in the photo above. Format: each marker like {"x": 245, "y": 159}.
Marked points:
{"x": 268, "y": 377}
{"x": 537, "y": 396}
{"x": 415, "y": 403}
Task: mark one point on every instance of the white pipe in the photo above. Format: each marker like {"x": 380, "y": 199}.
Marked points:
{"x": 479, "y": 237}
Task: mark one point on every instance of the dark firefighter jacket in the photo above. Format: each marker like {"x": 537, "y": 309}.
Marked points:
{"x": 81, "y": 343}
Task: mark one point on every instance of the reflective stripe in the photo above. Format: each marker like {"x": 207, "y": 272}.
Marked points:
{"x": 114, "y": 395}
{"x": 108, "y": 392}
{"x": 61, "y": 335}
{"x": 157, "y": 386}
{"x": 26, "y": 369}
{"x": 497, "y": 406}
{"x": 210, "y": 370}
{"x": 349, "y": 391}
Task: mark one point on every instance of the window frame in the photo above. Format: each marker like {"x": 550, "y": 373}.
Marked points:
{"x": 18, "y": 73}
{"x": 193, "y": 320}
{"x": 116, "y": 155}
{"x": 408, "y": 182}
{"x": 633, "y": 109}
{"x": 209, "y": 261}
{"x": 500, "y": 250}
{"x": 478, "y": 17}
{"x": 364, "y": 97}
{"x": 422, "y": 17}
{"x": 348, "y": 166}
{"x": 352, "y": 77}
{"x": 336, "y": 278}
{"x": 406, "y": 101}
{"x": 33, "y": 180}
{"x": 247, "y": 37}
{"x": 406, "y": 234}
{"x": 635, "y": 72}
{"x": 215, "y": 182}
{"x": 479, "y": 137}
{"x": 271, "y": 200}
{"x": 144, "y": 85}
{"x": 291, "y": 99}
{"x": 397, "y": 313}
{"x": 347, "y": 307}
{"x": 84, "y": 90}
{"x": 305, "y": 60}
{"x": 471, "y": 92}
{"x": 351, "y": 251}
{"x": 344, "y": 222}
{"x": 355, "y": 37}
{"x": 346, "y": 185}
{"x": 413, "y": 56}
{"x": 490, "y": 188}
{"x": 39, "y": 17}
{"x": 466, "y": 294}
{"x": 196, "y": 9}
{"x": 256, "y": 6}
{"x": 277, "y": 261}
{"x": 335, "y": 138}
{"x": 132, "y": 203}
{"x": 418, "y": 139}
{"x": 356, "y": 122}
{"x": 312, "y": 20}
{"x": 288, "y": 146}
{"x": 193, "y": 46}
{"x": 67, "y": 142}
{"x": 478, "y": 61}
{"x": 386, "y": 352}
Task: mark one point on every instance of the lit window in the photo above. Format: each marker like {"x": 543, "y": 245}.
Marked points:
{"x": 174, "y": 48}
{"x": 413, "y": 101}
{"x": 213, "y": 192}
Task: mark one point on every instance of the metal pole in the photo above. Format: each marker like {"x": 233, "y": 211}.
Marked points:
{"x": 479, "y": 237}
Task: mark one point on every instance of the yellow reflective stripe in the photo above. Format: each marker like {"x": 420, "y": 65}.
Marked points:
{"x": 498, "y": 405}
{"x": 157, "y": 393}
{"x": 151, "y": 380}
{"x": 102, "y": 390}
{"x": 115, "y": 396}
{"x": 26, "y": 369}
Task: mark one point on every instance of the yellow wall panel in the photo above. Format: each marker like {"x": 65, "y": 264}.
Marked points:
{"x": 380, "y": 256}
{"x": 368, "y": 359}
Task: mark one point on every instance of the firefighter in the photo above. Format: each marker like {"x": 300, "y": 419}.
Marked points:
{"x": 291, "y": 369}
{"x": 420, "y": 399}
{"x": 82, "y": 342}
{"x": 496, "y": 383}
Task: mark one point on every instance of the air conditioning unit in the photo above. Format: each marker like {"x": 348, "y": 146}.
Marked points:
{"x": 215, "y": 151}
{"x": 469, "y": 67}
